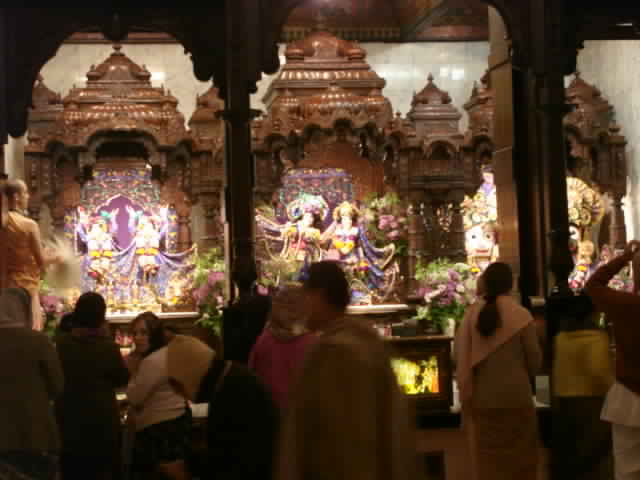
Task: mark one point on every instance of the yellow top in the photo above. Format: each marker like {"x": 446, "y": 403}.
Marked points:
{"x": 582, "y": 365}
{"x": 22, "y": 268}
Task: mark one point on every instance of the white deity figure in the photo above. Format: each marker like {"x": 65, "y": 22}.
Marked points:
{"x": 480, "y": 219}
{"x": 482, "y": 245}
{"x": 147, "y": 238}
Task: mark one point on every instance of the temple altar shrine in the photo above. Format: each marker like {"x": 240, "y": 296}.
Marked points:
{"x": 596, "y": 175}
{"x": 119, "y": 173}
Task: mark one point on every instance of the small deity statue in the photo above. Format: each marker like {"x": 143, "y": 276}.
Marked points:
{"x": 97, "y": 234}
{"x": 584, "y": 265}
{"x": 148, "y": 235}
{"x": 482, "y": 246}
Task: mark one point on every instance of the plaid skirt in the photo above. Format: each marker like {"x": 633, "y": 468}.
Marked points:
{"x": 164, "y": 442}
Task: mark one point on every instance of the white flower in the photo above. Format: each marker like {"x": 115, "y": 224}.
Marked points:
{"x": 460, "y": 288}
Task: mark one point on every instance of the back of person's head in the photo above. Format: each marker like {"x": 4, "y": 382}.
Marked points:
{"x": 90, "y": 311}
{"x": 66, "y": 323}
{"x": 15, "y": 308}
{"x": 497, "y": 280}
{"x": 13, "y": 188}
{"x": 288, "y": 311}
{"x": 328, "y": 278}
{"x": 578, "y": 313}
{"x": 155, "y": 331}
{"x": 244, "y": 273}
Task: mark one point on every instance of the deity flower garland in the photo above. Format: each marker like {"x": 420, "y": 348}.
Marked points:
{"x": 208, "y": 290}
{"x": 447, "y": 289}
{"x": 387, "y": 222}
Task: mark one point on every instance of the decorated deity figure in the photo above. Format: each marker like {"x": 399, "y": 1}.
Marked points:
{"x": 300, "y": 238}
{"x": 482, "y": 246}
{"x": 480, "y": 219}
{"x": 97, "y": 233}
{"x": 584, "y": 266}
{"x": 574, "y": 241}
{"x": 149, "y": 231}
{"x": 364, "y": 263}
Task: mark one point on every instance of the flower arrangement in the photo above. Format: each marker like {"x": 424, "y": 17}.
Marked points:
{"x": 53, "y": 308}
{"x": 387, "y": 222}
{"x": 275, "y": 272}
{"x": 208, "y": 289}
{"x": 447, "y": 289}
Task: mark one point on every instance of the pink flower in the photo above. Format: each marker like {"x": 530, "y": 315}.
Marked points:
{"x": 402, "y": 220}
{"x": 393, "y": 234}
{"x": 49, "y": 303}
{"x": 215, "y": 277}
{"x": 394, "y": 225}
{"x": 263, "y": 290}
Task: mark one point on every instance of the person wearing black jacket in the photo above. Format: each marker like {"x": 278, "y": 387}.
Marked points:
{"x": 243, "y": 322}
{"x": 242, "y": 419}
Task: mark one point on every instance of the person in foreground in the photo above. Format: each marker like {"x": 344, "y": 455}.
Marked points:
{"x": 162, "y": 418}
{"x": 582, "y": 376}
{"x": 242, "y": 420}
{"x": 30, "y": 379}
{"x": 347, "y": 418}
{"x": 279, "y": 352}
{"x": 497, "y": 355}
{"x": 87, "y": 411}
{"x": 622, "y": 405}
{"x": 26, "y": 260}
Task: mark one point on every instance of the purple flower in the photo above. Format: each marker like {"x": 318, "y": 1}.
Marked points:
{"x": 454, "y": 276}
{"x": 201, "y": 294}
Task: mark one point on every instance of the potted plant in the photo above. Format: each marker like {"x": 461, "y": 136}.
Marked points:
{"x": 447, "y": 289}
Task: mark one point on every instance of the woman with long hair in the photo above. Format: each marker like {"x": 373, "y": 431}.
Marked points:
{"x": 87, "y": 411}
{"x": 162, "y": 419}
{"x": 497, "y": 355}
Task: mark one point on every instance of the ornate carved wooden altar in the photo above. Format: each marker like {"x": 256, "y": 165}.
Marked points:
{"x": 429, "y": 170}
{"x": 118, "y": 120}
{"x": 595, "y": 146}
{"x": 325, "y": 110}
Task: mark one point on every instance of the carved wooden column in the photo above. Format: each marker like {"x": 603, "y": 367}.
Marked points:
{"x": 458, "y": 252}
{"x": 416, "y": 236}
{"x": 240, "y": 215}
{"x": 507, "y": 191}
{"x": 211, "y": 209}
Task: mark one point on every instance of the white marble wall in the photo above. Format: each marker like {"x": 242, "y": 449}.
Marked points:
{"x": 405, "y": 67}
{"x": 613, "y": 67}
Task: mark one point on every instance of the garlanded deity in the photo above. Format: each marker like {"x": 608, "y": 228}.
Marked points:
{"x": 301, "y": 241}
{"x": 364, "y": 263}
{"x": 97, "y": 234}
{"x": 301, "y": 236}
{"x": 482, "y": 245}
{"x": 584, "y": 266}
{"x": 586, "y": 210}
{"x": 480, "y": 220}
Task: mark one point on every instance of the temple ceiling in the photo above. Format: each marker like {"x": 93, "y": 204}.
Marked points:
{"x": 363, "y": 20}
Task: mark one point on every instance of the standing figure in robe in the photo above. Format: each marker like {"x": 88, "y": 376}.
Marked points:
{"x": 20, "y": 242}
{"x": 150, "y": 230}
{"x": 300, "y": 237}
{"x": 97, "y": 233}
{"x": 364, "y": 263}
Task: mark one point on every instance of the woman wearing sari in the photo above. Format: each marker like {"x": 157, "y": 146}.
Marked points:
{"x": 497, "y": 355}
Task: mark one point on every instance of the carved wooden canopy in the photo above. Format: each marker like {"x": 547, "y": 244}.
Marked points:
{"x": 325, "y": 110}
{"x": 325, "y": 79}
{"x": 46, "y": 110}
{"x": 118, "y": 96}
